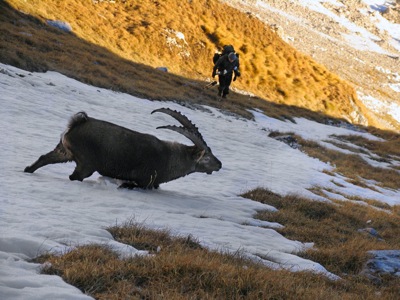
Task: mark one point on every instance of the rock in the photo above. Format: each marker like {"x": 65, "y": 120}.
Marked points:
{"x": 288, "y": 140}
{"x": 371, "y": 232}
{"x": 163, "y": 69}
{"x": 64, "y": 26}
{"x": 382, "y": 262}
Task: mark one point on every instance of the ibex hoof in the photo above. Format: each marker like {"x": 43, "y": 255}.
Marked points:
{"x": 129, "y": 185}
{"x": 74, "y": 176}
{"x": 29, "y": 170}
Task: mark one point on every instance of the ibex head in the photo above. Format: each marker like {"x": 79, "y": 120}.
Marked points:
{"x": 139, "y": 160}
{"x": 206, "y": 162}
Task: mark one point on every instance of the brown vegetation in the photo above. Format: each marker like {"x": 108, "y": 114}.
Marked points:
{"x": 336, "y": 230}
{"x": 353, "y": 166}
{"x": 387, "y": 148}
{"x": 117, "y": 46}
{"x": 180, "y": 268}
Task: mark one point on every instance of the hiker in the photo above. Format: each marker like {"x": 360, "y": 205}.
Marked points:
{"x": 225, "y": 65}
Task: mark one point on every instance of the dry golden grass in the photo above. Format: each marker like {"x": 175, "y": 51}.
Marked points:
{"x": 353, "y": 166}
{"x": 118, "y": 45}
{"x": 386, "y": 149}
{"x": 182, "y": 269}
{"x": 333, "y": 227}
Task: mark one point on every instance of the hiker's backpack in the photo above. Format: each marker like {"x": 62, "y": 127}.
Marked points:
{"x": 225, "y": 50}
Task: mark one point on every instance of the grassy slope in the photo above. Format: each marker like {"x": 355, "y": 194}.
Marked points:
{"x": 118, "y": 45}
{"x": 180, "y": 268}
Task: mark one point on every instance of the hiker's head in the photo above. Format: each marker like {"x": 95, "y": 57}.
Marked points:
{"x": 232, "y": 57}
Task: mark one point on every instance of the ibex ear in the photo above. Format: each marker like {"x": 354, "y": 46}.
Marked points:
{"x": 199, "y": 155}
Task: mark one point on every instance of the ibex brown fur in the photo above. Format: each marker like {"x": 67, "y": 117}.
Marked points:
{"x": 138, "y": 159}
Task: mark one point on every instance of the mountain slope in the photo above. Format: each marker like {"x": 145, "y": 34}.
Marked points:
{"x": 358, "y": 40}
{"x": 179, "y": 35}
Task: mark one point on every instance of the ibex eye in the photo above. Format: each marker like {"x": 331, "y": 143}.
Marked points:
{"x": 116, "y": 153}
{"x": 206, "y": 159}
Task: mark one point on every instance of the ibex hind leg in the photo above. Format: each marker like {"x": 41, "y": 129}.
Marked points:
{"x": 81, "y": 172}
{"x": 58, "y": 155}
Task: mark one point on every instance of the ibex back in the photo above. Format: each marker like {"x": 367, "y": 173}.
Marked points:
{"x": 138, "y": 159}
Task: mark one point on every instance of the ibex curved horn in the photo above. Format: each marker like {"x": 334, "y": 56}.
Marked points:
{"x": 189, "y": 130}
{"x": 140, "y": 160}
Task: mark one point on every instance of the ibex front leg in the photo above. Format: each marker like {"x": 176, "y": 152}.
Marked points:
{"x": 81, "y": 171}
{"x": 58, "y": 155}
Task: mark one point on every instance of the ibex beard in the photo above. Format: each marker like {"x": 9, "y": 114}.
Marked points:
{"x": 138, "y": 159}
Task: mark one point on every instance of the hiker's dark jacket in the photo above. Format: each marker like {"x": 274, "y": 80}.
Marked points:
{"x": 225, "y": 69}
{"x": 223, "y": 64}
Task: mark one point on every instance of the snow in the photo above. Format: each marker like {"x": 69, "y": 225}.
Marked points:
{"x": 45, "y": 211}
{"x": 356, "y": 36}
{"x": 395, "y": 87}
{"x": 393, "y": 30}
{"x": 360, "y": 37}
{"x": 382, "y": 107}
{"x": 175, "y": 39}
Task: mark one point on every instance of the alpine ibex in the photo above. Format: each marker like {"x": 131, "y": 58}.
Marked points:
{"x": 138, "y": 159}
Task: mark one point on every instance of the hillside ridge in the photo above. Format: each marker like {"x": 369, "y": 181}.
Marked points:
{"x": 350, "y": 38}
{"x": 147, "y": 32}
